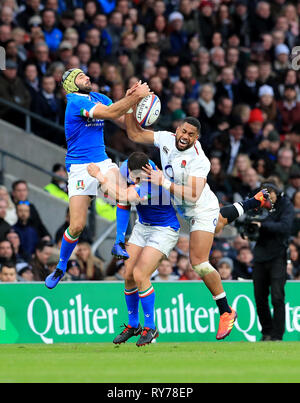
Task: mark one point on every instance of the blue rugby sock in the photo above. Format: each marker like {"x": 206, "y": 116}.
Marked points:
{"x": 67, "y": 246}
{"x": 132, "y": 302}
{"x": 123, "y": 216}
{"x": 147, "y": 300}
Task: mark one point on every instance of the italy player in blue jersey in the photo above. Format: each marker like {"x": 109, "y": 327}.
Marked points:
{"x": 154, "y": 235}
{"x": 85, "y": 114}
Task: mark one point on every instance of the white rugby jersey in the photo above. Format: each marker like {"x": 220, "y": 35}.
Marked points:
{"x": 179, "y": 165}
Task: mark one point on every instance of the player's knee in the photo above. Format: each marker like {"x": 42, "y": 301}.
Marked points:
{"x": 76, "y": 228}
{"x": 203, "y": 269}
{"x": 138, "y": 276}
{"x": 128, "y": 276}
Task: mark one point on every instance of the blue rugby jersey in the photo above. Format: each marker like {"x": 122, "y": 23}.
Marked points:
{"x": 84, "y": 136}
{"x": 157, "y": 210}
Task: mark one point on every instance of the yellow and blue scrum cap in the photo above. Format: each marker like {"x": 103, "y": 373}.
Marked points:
{"x": 68, "y": 80}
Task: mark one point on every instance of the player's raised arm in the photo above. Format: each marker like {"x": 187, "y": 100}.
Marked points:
{"x": 118, "y": 109}
{"x": 191, "y": 191}
{"x": 135, "y": 132}
{"x": 117, "y": 191}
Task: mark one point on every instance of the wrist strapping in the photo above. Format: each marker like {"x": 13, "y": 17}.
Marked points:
{"x": 166, "y": 184}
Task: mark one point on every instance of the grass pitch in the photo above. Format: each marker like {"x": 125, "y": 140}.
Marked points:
{"x": 232, "y": 362}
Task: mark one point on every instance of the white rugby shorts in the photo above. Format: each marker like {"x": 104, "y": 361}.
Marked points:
{"x": 80, "y": 183}
{"x": 163, "y": 239}
{"x": 203, "y": 217}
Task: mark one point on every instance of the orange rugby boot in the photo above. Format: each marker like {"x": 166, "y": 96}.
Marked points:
{"x": 226, "y": 324}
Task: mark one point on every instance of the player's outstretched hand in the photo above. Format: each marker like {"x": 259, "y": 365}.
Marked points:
{"x": 95, "y": 172}
{"x": 154, "y": 176}
{"x": 133, "y": 88}
{"x": 142, "y": 90}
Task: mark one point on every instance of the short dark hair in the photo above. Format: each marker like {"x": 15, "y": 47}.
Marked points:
{"x": 137, "y": 160}
{"x": 18, "y": 182}
{"x": 9, "y": 264}
{"x": 194, "y": 122}
{"x": 42, "y": 244}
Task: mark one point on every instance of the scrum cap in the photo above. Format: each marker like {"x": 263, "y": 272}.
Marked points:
{"x": 68, "y": 80}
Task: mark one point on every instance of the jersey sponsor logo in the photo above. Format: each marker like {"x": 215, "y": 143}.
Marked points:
{"x": 80, "y": 185}
{"x": 165, "y": 149}
{"x": 169, "y": 171}
{"x": 215, "y": 222}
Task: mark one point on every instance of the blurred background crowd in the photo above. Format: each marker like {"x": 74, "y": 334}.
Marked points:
{"x": 233, "y": 64}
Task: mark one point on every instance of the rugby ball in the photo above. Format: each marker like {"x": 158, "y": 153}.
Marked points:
{"x": 148, "y": 110}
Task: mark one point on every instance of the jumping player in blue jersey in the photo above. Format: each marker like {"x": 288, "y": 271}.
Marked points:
{"x": 154, "y": 235}
{"x": 85, "y": 114}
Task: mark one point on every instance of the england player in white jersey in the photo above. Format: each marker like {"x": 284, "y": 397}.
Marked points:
{"x": 185, "y": 169}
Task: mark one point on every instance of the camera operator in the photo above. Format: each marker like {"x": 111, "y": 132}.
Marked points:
{"x": 270, "y": 262}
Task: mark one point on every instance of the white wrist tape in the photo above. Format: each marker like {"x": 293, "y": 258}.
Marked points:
{"x": 166, "y": 184}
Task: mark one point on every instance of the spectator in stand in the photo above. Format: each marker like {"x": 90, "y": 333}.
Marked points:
{"x": 178, "y": 36}
{"x": 218, "y": 181}
{"x": 14, "y": 238}
{"x": 32, "y": 8}
{"x": 293, "y": 265}
{"x": 5, "y": 34}
{"x": 227, "y": 86}
{"x": 31, "y": 80}
{"x": 253, "y": 132}
{"x": 24, "y": 272}
{"x": 41, "y": 58}
{"x": 47, "y": 105}
{"x": 4, "y": 226}
{"x": 6, "y": 252}
{"x": 8, "y": 273}
{"x": 225, "y": 268}
{"x": 53, "y": 35}
{"x": 20, "y": 193}
{"x": 58, "y": 188}
{"x": 206, "y": 21}
{"x": 243, "y": 264}
{"x": 43, "y": 252}
{"x": 241, "y": 165}
{"x": 250, "y": 182}
{"x": 267, "y": 103}
{"x": 13, "y": 90}
{"x": 28, "y": 233}
{"x": 7, "y": 17}
{"x": 223, "y": 114}
{"x": 281, "y": 62}
{"x": 289, "y": 109}
{"x": 85, "y": 235}
{"x": 73, "y": 271}
{"x": 11, "y": 53}
{"x": 248, "y": 86}
{"x": 11, "y": 215}
{"x": 230, "y": 143}
{"x": 84, "y": 53}
{"x": 262, "y": 20}
{"x": 189, "y": 274}
{"x": 284, "y": 164}
{"x": 290, "y": 78}
{"x": 173, "y": 257}
{"x": 165, "y": 271}
{"x": 215, "y": 256}
{"x": 269, "y": 147}
{"x": 294, "y": 182}
{"x": 91, "y": 266}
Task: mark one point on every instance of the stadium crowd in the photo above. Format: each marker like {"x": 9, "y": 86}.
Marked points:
{"x": 228, "y": 63}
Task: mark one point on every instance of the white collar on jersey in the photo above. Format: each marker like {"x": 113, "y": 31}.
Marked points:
{"x": 82, "y": 95}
